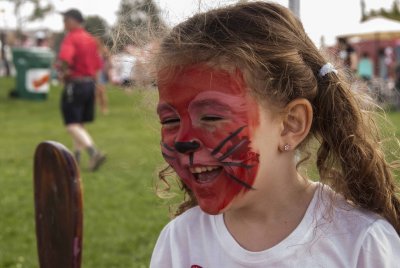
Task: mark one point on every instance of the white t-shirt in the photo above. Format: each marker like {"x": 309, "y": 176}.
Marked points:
{"x": 343, "y": 237}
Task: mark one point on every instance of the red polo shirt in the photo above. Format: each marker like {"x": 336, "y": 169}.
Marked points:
{"x": 79, "y": 50}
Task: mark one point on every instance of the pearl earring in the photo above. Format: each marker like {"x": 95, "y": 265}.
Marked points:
{"x": 286, "y": 147}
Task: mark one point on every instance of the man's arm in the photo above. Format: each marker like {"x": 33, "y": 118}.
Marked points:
{"x": 65, "y": 56}
{"x": 63, "y": 70}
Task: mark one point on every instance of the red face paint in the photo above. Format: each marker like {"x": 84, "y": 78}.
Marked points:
{"x": 208, "y": 118}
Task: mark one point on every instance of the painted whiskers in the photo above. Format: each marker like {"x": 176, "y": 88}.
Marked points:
{"x": 240, "y": 145}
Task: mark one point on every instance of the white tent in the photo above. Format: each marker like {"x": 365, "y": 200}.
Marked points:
{"x": 374, "y": 27}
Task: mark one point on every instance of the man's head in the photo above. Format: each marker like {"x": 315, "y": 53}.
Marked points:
{"x": 72, "y": 19}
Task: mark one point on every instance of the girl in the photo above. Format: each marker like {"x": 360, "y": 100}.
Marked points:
{"x": 242, "y": 90}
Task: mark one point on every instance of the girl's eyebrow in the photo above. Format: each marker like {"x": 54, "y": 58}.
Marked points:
{"x": 163, "y": 107}
{"x": 214, "y": 103}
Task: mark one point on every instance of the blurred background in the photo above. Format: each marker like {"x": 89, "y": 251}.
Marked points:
{"x": 122, "y": 214}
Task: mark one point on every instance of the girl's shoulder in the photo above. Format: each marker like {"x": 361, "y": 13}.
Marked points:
{"x": 333, "y": 203}
{"x": 381, "y": 239}
{"x": 349, "y": 234}
{"x": 333, "y": 207}
{"x": 334, "y": 214}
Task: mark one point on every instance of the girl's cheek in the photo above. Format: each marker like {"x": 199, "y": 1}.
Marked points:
{"x": 209, "y": 129}
{"x": 168, "y": 135}
{"x": 212, "y": 135}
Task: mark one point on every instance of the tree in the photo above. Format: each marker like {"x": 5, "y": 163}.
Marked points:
{"x": 40, "y": 9}
{"x": 393, "y": 13}
{"x": 137, "y": 22}
{"x": 99, "y": 28}
{"x": 96, "y": 25}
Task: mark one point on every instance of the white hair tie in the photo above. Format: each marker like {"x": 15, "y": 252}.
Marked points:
{"x": 326, "y": 69}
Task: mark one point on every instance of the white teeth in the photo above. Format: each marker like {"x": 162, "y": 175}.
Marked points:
{"x": 202, "y": 169}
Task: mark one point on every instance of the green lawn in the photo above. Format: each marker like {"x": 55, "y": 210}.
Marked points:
{"x": 122, "y": 215}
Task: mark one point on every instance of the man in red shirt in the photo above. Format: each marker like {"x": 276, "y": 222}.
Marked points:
{"x": 79, "y": 62}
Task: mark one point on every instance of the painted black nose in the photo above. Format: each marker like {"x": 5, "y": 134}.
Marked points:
{"x": 187, "y": 146}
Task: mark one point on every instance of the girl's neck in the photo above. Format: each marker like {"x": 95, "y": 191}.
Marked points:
{"x": 269, "y": 218}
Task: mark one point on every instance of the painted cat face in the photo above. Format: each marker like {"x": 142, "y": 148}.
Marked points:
{"x": 208, "y": 119}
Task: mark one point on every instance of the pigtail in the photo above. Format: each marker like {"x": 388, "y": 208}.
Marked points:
{"x": 350, "y": 157}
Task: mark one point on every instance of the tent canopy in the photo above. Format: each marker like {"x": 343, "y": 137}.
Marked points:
{"x": 376, "y": 28}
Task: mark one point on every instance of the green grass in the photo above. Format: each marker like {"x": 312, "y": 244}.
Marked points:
{"x": 395, "y": 119}
{"x": 122, "y": 215}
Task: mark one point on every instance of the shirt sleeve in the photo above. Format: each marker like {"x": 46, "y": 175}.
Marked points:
{"x": 162, "y": 255}
{"x": 67, "y": 50}
{"x": 381, "y": 247}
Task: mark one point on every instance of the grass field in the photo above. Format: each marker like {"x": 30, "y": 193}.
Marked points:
{"x": 122, "y": 215}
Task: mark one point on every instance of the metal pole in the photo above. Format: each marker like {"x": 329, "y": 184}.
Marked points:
{"x": 294, "y": 6}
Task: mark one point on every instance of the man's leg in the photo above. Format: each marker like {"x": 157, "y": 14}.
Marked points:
{"x": 77, "y": 150}
{"x": 80, "y": 135}
{"x": 101, "y": 97}
{"x": 96, "y": 157}
{"x": 77, "y": 106}
{"x": 84, "y": 141}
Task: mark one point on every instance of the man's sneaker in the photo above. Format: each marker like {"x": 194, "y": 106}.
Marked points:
{"x": 96, "y": 161}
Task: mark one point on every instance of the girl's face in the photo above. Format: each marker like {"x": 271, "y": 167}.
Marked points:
{"x": 208, "y": 122}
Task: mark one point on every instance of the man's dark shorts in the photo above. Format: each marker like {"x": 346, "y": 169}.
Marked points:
{"x": 78, "y": 102}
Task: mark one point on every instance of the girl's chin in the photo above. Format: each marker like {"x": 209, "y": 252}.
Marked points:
{"x": 211, "y": 212}
{"x": 211, "y": 208}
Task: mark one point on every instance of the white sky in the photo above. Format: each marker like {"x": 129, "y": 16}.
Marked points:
{"x": 327, "y": 18}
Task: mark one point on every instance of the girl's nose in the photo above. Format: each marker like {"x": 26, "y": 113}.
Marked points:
{"x": 186, "y": 146}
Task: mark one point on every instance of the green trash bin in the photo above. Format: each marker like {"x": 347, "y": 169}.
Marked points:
{"x": 33, "y": 66}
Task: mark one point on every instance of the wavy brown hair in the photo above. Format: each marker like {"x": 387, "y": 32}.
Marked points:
{"x": 280, "y": 64}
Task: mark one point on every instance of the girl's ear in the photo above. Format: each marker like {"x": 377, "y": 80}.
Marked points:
{"x": 296, "y": 123}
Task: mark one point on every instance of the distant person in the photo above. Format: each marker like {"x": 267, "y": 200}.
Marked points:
{"x": 41, "y": 39}
{"x": 348, "y": 55}
{"x": 5, "y": 55}
{"x": 25, "y": 41}
{"x": 397, "y": 87}
{"x": 365, "y": 68}
{"x": 385, "y": 62}
{"x": 79, "y": 62}
{"x": 123, "y": 68}
{"x": 102, "y": 77}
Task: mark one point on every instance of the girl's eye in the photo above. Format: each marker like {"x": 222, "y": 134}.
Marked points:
{"x": 170, "y": 121}
{"x": 211, "y": 118}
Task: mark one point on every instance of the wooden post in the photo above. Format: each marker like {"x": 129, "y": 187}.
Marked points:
{"x": 58, "y": 207}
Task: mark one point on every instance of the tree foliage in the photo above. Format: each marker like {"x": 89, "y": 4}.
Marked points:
{"x": 40, "y": 9}
{"x": 99, "y": 28}
{"x": 96, "y": 25}
{"x": 392, "y": 14}
{"x": 137, "y": 20}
